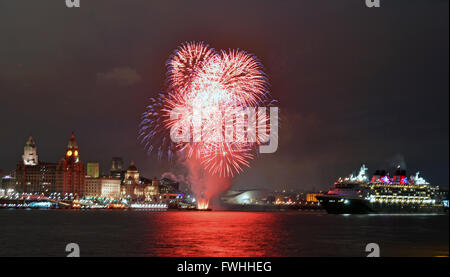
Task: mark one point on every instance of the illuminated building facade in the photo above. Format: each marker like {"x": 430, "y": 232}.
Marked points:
{"x": 110, "y": 187}
{"x": 93, "y": 170}
{"x": 33, "y": 176}
{"x": 135, "y": 187}
{"x": 102, "y": 187}
{"x": 30, "y": 156}
{"x": 33, "y": 179}
{"x": 70, "y": 172}
{"x": 243, "y": 197}
{"x": 92, "y": 187}
{"x": 151, "y": 190}
{"x": 132, "y": 187}
{"x": 8, "y": 183}
{"x": 169, "y": 191}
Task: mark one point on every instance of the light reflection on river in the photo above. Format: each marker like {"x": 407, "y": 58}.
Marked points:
{"x": 218, "y": 233}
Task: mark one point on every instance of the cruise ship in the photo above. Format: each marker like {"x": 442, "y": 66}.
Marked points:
{"x": 383, "y": 194}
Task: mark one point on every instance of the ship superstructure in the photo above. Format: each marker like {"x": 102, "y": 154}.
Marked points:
{"x": 383, "y": 194}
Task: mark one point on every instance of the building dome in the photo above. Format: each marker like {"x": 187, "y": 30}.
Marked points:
{"x": 132, "y": 167}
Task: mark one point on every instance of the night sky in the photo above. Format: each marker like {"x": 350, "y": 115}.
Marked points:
{"x": 355, "y": 85}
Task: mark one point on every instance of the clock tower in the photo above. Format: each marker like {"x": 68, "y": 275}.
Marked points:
{"x": 72, "y": 153}
{"x": 70, "y": 171}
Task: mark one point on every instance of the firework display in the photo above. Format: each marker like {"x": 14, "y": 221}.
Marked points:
{"x": 210, "y": 96}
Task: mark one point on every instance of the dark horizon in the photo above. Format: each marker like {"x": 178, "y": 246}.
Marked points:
{"x": 354, "y": 85}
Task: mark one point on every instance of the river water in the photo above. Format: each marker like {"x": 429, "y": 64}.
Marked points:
{"x": 219, "y": 233}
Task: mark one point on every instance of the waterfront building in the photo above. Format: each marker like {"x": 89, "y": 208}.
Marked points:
{"x": 8, "y": 184}
{"x": 102, "y": 187}
{"x": 30, "y": 156}
{"x": 132, "y": 173}
{"x": 242, "y": 197}
{"x": 169, "y": 191}
{"x": 92, "y": 187}
{"x": 93, "y": 170}
{"x": 36, "y": 179}
{"x": 168, "y": 186}
{"x": 138, "y": 188}
{"x": 151, "y": 190}
{"x": 33, "y": 176}
{"x": 132, "y": 188}
{"x": 110, "y": 187}
{"x": 70, "y": 172}
{"x": 117, "y": 170}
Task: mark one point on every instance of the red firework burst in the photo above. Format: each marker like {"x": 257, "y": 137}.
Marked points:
{"x": 209, "y": 91}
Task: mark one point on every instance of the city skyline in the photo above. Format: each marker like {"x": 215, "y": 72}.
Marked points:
{"x": 371, "y": 93}
{"x": 92, "y": 168}
{"x": 68, "y": 183}
{"x": 107, "y": 170}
